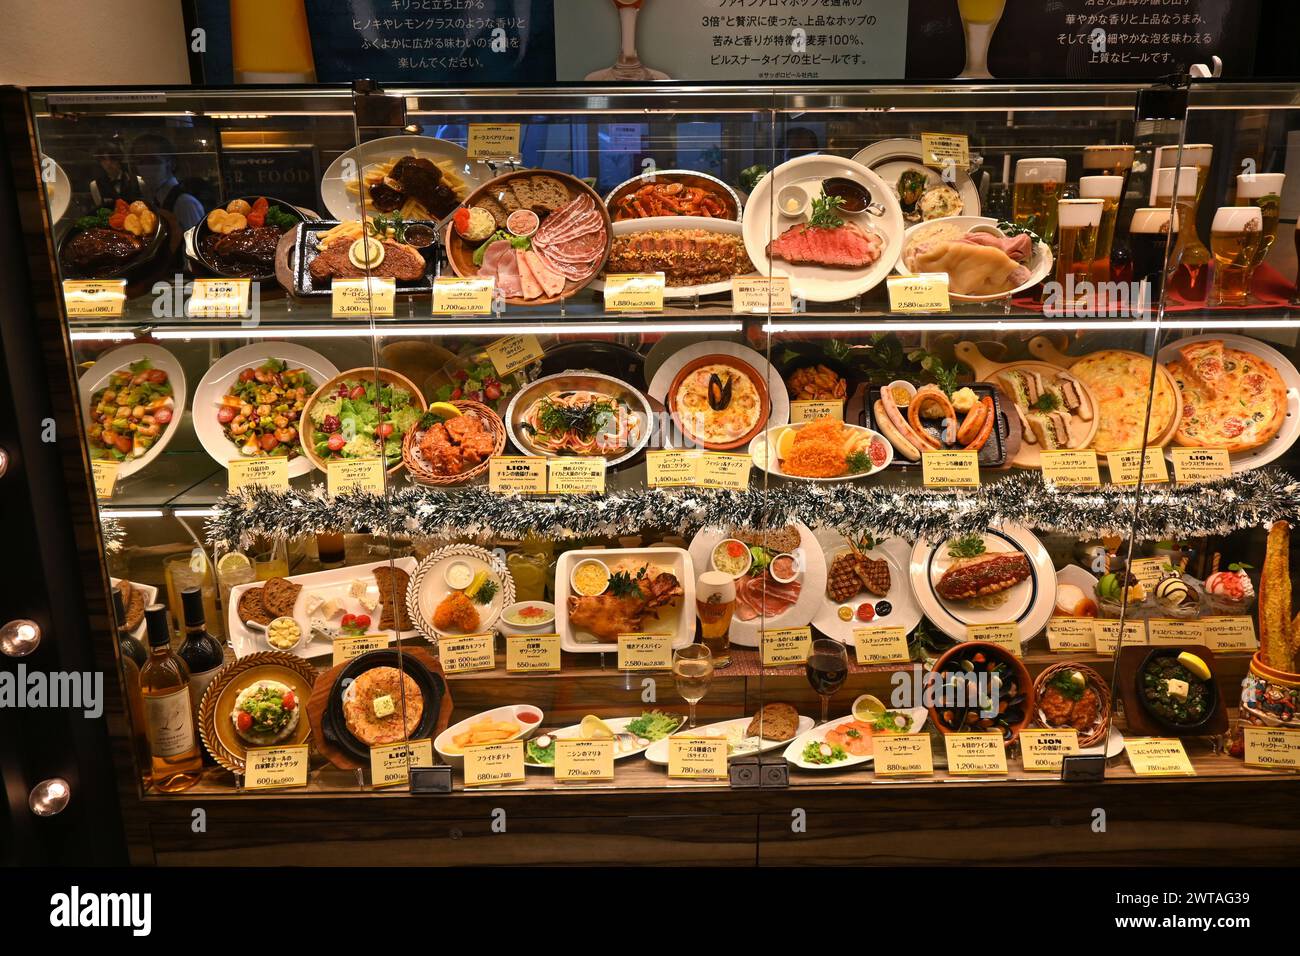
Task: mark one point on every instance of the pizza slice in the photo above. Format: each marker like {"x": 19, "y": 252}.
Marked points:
{"x": 1205, "y": 366}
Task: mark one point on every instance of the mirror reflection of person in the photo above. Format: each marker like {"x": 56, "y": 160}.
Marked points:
{"x": 113, "y": 180}
{"x": 155, "y": 161}
{"x": 800, "y": 141}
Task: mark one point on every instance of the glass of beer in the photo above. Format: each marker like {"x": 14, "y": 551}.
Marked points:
{"x": 1109, "y": 189}
{"x": 1234, "y": 240}
{"x": 1194, "y": 257}
{"x": 693, "y": 672}
{"x": 1114, "y": 160}
{"x": 1265, "y": 191}
{"x": 979, "y": 18}
{"x": 1078, "y": 222}
{"x": 1189, "y": 264}
{"x": 715, "y": 602}
{"x": 1038, "y": 185}
{"x": 1148, "y": 235}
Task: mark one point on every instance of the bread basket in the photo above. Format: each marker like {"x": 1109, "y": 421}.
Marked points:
{"x": 419, "y": 469}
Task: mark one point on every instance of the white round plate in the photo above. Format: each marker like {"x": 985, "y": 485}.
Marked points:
{"x": 906, "y": 613}
{"x": 58, "y": 191}
{"x": 427, "y": 588}
{"x": 616, "y": 724}
{"x": 812, "y": 592}
{"x": 97, "y": 375}
{"x": 1028, "y": 603}
{"x": 778, "y": 394}
{"x": 818, "y": 283}
{"x": 1114, "y": 744}
{"x": 657, "y": 752}
{"x": 672, "y": 343}
{"x": 628, "y": 227}
{"x": 758, "y": 450}
{"x": 343, "y": 205}
{"x": 890, "y": 158}
{"x": 506, "y": 712}
{"x": 215, "y": 382}
{"x": 1040, "y": 263}
{"x": 1279, "y": 444}
{"x": 794, "y": 752}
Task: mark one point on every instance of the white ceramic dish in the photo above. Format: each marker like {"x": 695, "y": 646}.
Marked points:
{"x": 507, "y": 712}
{"x": 763, "y": 450}
{"x": 616, "y": 724}
{"x": 150, "y": 597}
{"x": 1079, "y": 577}
{"x": 1279, "y": 444}
{"x": 890, "y": 158}
{"x": 223, "y": 374}
{"x": 96, "y": 377}
{"x": 818, "y": 283}
{"x": 794, "y": 752}
{"x": 812, "y": 591}
{"x": 1039, "y": 265}
{"x": 629, "y": 227}
{"x": 429, "y": 587}
{"x": 343, "y": 205}
{"x": 545, "y": 627}
{"x": 1113, "y": 748}
{"x": 662, "y": 380}
{"x": 740, "y": 746}
{"x": 1029, "y": 603}
{"x": 676, "y": 618}
{"x": 336, "y": 584}
{"x": 906, "y": 611}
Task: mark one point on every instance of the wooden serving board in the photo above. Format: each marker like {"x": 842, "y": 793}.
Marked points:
{"x": 461, "y": 253}
{"x": 324, "y": 686}
{"x": 1028, "y": 455}
{"x": 1044, "y": 349}
{"x": 1136, "y": 721}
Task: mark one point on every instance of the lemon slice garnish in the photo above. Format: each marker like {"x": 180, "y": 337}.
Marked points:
{"x": 867, "y": 707}
{"x": 785, "y": 443}
{"x": 232, "y": 562}
{"x": 1194, "y": 664}
{"x": 593, "y": 728}
{"x": 445, "y": 409}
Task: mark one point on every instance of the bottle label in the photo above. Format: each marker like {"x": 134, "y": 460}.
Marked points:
{"x": 170, "y": 719}
{"x": 199, "y": 681}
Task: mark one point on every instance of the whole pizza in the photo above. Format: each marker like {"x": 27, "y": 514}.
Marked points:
{"x": 1120, "y": 381}
{"x": 1231, "y": 399}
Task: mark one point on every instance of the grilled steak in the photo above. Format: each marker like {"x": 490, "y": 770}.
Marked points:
{"x": 101, "y": 252}
{"x": 987, "y": 574}
{"x": 401, "y": 262}
{"x": 843, "y": 247}
{"x": 243, "y": 247}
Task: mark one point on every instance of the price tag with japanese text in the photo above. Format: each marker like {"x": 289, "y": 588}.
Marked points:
{"x": 275, "y": 768}
{"x": 344, "y": 475}
{"x": 1005, "y": 635}
{"x": 104, "y": 471}
{"x": 517, "y": 474}
{"x": 1046, "y": 749}
{"x": 946, "y": 151}
{"x": 674, "y": 468}
{"x": 1109, "y": 634}
{"x": 219, "y": 298}
{"x": 645, "y": 652}
{"x": 269, "y": 473}
{"x": 1070, "y": 467}
{"x": 1167, "y": 630}
{"x": 456, "y": 296}
{"x": 513, "y": 352}
{"x": 532, "y": 653}
{"x": 464, "y": 655}
{"x": 903, "y": 755}
{"x": 1235, "y": 632}
{"x": 345, "y": 647}
{"x": 492, "y": 141}
{"x": 784, "y": 646}
{"x": 881, "y": 645}
{"x": 584, "y": 761}
{"x": 1124, "y": 466}
{"x": 759, "y": 295}
{"x": 919, "y": 294}
{"x": 975, "y": 754}
{"x": 1193, "y": 465}
{"x": 1158, "y": 757}
{"x": 1071, "y": 635}
{"x": 697, "y": 758}
{"x": 811, "y": 411}
{"x": 94, "y": 298}
{"x": 722, "y": 470}
{"x": 634, "y": 292}
{"x": 575, "y": 476}
{"x": 367, "y": 296}
{"x": 390, "y": 764}
{"x": 950, "y": 468}
{"x": 492, "y": 765}
{"x": 1272, "y": 748}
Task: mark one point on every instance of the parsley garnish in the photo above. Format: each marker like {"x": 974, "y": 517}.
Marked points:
{"x": 859, "y": 461}
{"x": 622, "y": 584}
{"x": 1047, "y": 402}
{"x": 825, "y": 212}
{"x": 967, "y": 546}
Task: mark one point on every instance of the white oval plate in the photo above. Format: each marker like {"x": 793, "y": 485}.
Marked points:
{"x": 219, "y": 378}
{"x": 793, "y": 753}
{"x": 657, "y": 752}
{"x": 1279, "y": 444}
{"x": 1028, "y": 603}
{"x": 496, "y": 713}
{"x": 758, "y": 450}
{"x": 906, "y": 613}
{"x": 427, "y": 588}
{"x": 616, "y": 724}
{"x": 812, "y": 593}
{"x": 342, "y": 205}
{"x": 1040, "y": 263}
{"x": 627, "y": 227}
{"x": 763, "y": 222}
{"x": 98, "y": 374}
{"x": 890, "y": 158}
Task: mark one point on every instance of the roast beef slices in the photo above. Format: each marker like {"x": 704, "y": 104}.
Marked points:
{"x": 401, "y": 262}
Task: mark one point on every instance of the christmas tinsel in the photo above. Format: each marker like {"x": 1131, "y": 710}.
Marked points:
{"x": 1247, "y": 500}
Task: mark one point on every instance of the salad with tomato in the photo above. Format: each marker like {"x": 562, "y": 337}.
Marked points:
{"x": 361, "y": 419}
{"x": 130, "y": 413}
{"x": 265, "y": 713}
{"x": 261, "y": 409}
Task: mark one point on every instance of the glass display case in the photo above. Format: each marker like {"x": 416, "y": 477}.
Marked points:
{"x": 685, "y": 450}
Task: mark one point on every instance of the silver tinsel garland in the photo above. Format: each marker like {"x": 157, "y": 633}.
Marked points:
{"x": 1247, "y": 500}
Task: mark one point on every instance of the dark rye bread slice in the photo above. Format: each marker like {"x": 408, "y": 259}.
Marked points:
{"x": 548, "y": 194}
{"x": 279, "y": 595}
{"x": 393, "y": 583}
{"x": 523, "y": 191}
{"x": 252, "y": 609}
{"x": 494, "y": 208}
{"x": 775, "y": 721}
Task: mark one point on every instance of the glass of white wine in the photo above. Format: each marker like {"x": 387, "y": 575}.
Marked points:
{"x": 693, "y": 671}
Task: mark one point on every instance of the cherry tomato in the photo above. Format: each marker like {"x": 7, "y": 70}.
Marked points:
{"x": 123, "y": 443}
{"x": 268, "y": 442}
{"x": 457, "y": 392}
{"x": 290, "y": 700}
{"x": 348, "y": 619}
{"x": 244, "y": 720}
{"x": 361, "y": 620}
{"x": 164, "y": 415}
{"x": 155, "y": 375}
{"x": 492, "y": 391}
{"x": 384, "y": 429}
{"x": 225, "y": 414}
{"x": 247, "y": 375}
{"x": 336, "y": 442}
{"x": 358, "y": 391}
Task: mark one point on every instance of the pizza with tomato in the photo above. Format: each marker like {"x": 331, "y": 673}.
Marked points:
{"x": 1231, "y": 399}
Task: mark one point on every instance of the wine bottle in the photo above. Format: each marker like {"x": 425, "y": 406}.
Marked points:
{"x": 126, "y": 643}
{"x": 174, "y": 755}
{"x": 202, "y": 653}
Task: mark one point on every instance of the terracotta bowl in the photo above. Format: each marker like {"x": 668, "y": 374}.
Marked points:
{"x": 994, "y": 655}
{"x": 386, "y": 375}
{"x": 744, "y": 368}
{"x": 419, "y": 470}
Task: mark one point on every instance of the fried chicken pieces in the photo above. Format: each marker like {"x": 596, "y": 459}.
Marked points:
{"x": 455, "y": 445}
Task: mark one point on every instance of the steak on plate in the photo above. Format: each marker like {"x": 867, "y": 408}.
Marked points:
{"x": 401, "y": 262}
{"x": 846, "y": 246}
{"x": 101, "y": 251}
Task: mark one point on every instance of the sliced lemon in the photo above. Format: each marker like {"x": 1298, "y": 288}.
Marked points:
{"x": 785, "y": 443}
{"x": 445, "y": 409}
{"x": 867, "y": 708}
{"x": 593, "y": 728}
{"x": 233, "y": 562}
{"x": 1194, "y": 664}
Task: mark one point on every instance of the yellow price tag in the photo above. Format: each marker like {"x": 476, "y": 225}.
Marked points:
{"x": 673, "y": 468}
{"x": 390, "y": 764}
{"x": 903, "y": 755}
{"x": 634, "y": 292}
{"x": 645, "y": 652}
{"x": 275, "y": 768}
{"x": 1005, "y": 635}
{"x": 532, "y": 653}
{"x": 346, "y": 647}
{"x": 463, "y": 655}
{"x": 1045, "y": 750}
{"x": 575, "y": 476}
{"x": 1124, "y": 466}
{"x": 760, "y": 295}
{"x": 343, "y": 475}
{"x": 367, "y": 296}
{"x": 1158, "y": 757}
{"x": 1271, "y": 748}
{"x": 513, "y": 352}
{"x": 946, "y": 151}
{"x": 950, "y": 468}
{"x": 511, "y": 474}
{"x": 491, "y": 765}
{"x": 1164, "y": 630}
{"x": 493, "y": 141}
{"x": 583, "y": 761}
{"x": 881, "y": 645}
{"x": 456, "y": 296}
{"x": 921, "y": 294}
{"x": 1193, "y": 465}
{"x": 1071, "y": 635}
{"x": 1109, "y": 636}
{"x": 784, "y": 646}
{"x": 269, "y": 473}
{"x": 723, "y": 470}
{"x": 811, "y": 411}
{"x": 104, "y": 471}
{"x": 219, "y": 298}
{"x": 1229, "y": 633}
{"x": 975, "y": 754}
{"x": 94, "y": 298}
{"x": 1070, "y": 467}
{"x": 697, "y": 758}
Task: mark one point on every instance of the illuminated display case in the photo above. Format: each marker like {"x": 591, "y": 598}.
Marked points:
{"x": 859, "y": 376}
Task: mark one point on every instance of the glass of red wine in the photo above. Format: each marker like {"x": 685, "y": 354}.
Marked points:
{"x": 827, "y": 668}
